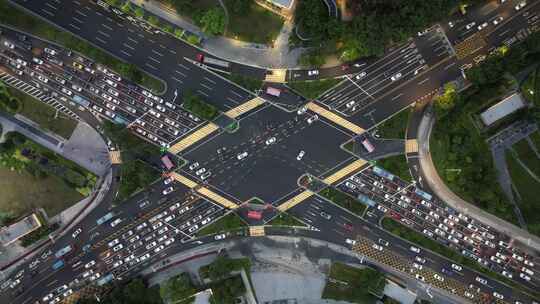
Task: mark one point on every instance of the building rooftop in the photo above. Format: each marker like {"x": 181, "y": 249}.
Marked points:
{"x": 503, "y": 108}
{"x": 19, "y": 229}
{"x": 397, "y": 292}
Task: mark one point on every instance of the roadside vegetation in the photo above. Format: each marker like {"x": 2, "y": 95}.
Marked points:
{"x": 227, "y": 223}
{"x": 251, "y": 22}
{"x": 135, "y": 291}
{"x": 249, "y": 83}
{"x": 313, "y": 89}
{"x": 10, "y": 15}
{"x": 178, "y": 289}
{"x": 13, "y": 101}
{"x": 136, "y": 171}
{"x": 38, "y": 234}
{"x": 535, "y": 137}
{"x": 395, "y": 127}
{"x": 226, "y": 287}
{"x": 412, "y": 236}
{"x": 344, "y": 200}
{"x": 353, "y": 285}
{"x": 396, "y": 165}
{"x": 526, "y": 154}
{"x": 377, "y": 26}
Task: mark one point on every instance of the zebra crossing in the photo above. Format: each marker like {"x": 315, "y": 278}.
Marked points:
{"x": 36, "y": 93}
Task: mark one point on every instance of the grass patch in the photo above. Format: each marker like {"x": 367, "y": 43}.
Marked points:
{"x": 527, "y": 156}
{"x": 285, "y": 219}
{"x": 196, "y": 105}
{"x": 44, "y": 115}
{"x": 192, "y": 9}
{"x": 462, "y": 157}
{"x": 229, "y": 222}
{"x": 535, "y": 137}
{"x": 397, "y": 165}
{"x": 313, "y": 89}
{"x": 396, "y": 126}
{"x": 415, "y": 237}
{"x": 344, "y": 200}
{"x": 250, "y": 83}
{"x": 252, "y": 23}
{"x": 11, "y": 15}
{"x": 346, "y": 283}
{"x": 527, "y": 187}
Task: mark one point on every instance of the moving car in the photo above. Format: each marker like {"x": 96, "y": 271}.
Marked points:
{"x": 167, "y": 190}
{"x": 242, "y": 155}
{"x": 300, "y": 155}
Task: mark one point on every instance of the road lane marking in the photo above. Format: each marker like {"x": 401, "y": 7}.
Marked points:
{"x": 210, "y": 80}
{"x": 126, "y": 53}
{"x": 232, "y": 100}
{"x": 154, "y": 59}
{"x": 150, "y": 66}
{"x": 101, "y": 40}
{"x": 100, "y": 14}
{"x": 423, "y": 81}
{"x": 202, "y": 93}
{"x": 47, "y": 12}
{"x": 81, "y": 13}
{"x": 177, "y": 79}
{"x": 449, "y": 66}
{"x": 77, "y": 19}
{"x": 74, "y": 26}
{"x": 397, "y": 96}
{"x": 128, "y": 46}
{"x": 157, "y": 53}
{"x": 207, "y": 87}
{"x": 51, "y": 6}
{"x": 176, "y": 71}
{"x": 236, "y": 94}
{"x": 172, "y": 52}
{"x": 132, "y": 40}
{"x": 184, "y": 67}
{"x": 104, "y": 34}
{"x": 107, "y": 27}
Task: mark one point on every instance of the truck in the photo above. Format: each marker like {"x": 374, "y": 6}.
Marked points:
{"x": 81, "y": 101}
{"x": 367, "y": 145}
{"x": 213, "y": 61}
{"x": 273, "y": 91}
{"x": 62, "y": 252}
{"x": 105, "y": 218}
{"x": 58, "y": 264}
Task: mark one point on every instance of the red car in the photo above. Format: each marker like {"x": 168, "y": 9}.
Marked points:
{"x": 348, "y": 227}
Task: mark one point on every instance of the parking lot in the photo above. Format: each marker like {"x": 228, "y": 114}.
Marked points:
{"x": 60, "y": 77}
{"x": 267, "y": 155}
{"x": 405, "y": 202}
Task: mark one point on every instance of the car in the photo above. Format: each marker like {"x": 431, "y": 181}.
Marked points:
{"x": 78, "y": 66}
{"x": 167, "y": 190}
{"x": 524, "y": 276}
{"x": 169, "y": 241}
{"x": 133, "y": 239}
{"x": 360, "y": 76}
{"x": 118, "y": 263}
{"x": 48, "y": 297}
{"x": 9, "y": 45}
{"x": 169, "y": 218}
{"x": 205, "y": 175}
{"x": 350, "y": 242}
{"x": 116, "y": 222}
{"x": 168, "y": 180}
{"x": 141, "y": 226}
{"x": 113, "y": 242}
{"x": 43, "y": 78}
{"x": 470, "y": 25}
{"x": 194, "y": 166}
{"x": 162, "y": 238}
{"x": 76, "y": 232}
{"x": 127, "y": 234}
{"x": 520, "y": 5}
{"x": 270, "y": 141}
{"x": 481, "y": 280}
{"x": 312, "y": 119}
{"x": 438, "y": 277}
{"x": 469, "y": 295}
{"x": 420, "y": 259}
{"x": 422, "y": 33}
{"x": 507, "y": 274}
{"x": 151, "y": 245}
{"x": 383, "y": 242}
{"x": 498, "y": 295}
{"x": 200, "y": 171}
{"x": 37, "y": 60}
{"x": 118, "y": 247}
{"x": 111, "y": 83}
{"x": 382, "y": 208}
{"x": 159, "y": 248}
{"x": 220, "y": 236}
{"x": 50, "y": 51}
{"x": 242, "y": 155}
{"x": 456, "y": 267}
{"x": 419, "y": 277}
{"x": 313, "y": 72}
{"x": 377, "y": 247}
{"x": 418, "y": 266}
{"x": 415, "y": 249}
{"x": 528, "y": 263}
{"x": 300, "y": 155}
{"x": 497, "y": 20}
{"x": 160, "y": 108}
{"x": 482, "y": 26}
{"x": 67, "y": 293}
{"x": 527, "y": 271}
{"x": 451, "y": 24}
{"x": 350, "y": 104}
{"x": 396, "y": 77}
{"x": 301, "y": 110}
{"x": 325, "y": 215}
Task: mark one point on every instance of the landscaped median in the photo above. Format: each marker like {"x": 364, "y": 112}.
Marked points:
{"x": 196, "y": 105}
{"x": 313, "y": 89}
{"x": 227, "y": 223}
{"x": 412, "y": 236}
{"x": 13, "y": 16}
{"x": 344, "y": 200}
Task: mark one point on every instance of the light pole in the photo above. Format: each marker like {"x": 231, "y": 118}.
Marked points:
{"x": 175, "y": 95}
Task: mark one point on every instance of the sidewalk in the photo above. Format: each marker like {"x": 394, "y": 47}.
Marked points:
{"x": 442, "y": 191}
{"x": 233, "y": 50}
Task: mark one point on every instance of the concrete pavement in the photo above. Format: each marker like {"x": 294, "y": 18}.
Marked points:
{"x": 437, "y": 185}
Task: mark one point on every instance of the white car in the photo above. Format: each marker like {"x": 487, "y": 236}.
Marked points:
{"x": 498, "y": 20}
{"x": 420, "y": 259}
{"x": 194, "y": 166}
{"x": 382, "y": 208}
{"x": 90, "y": 264}
{"x": 116, "y": 222}
{"x": 498, "y": 295}
{"x": 301, "y": 110}
{"x": 76, "y": 232}
{"x": 219, "y": 236}
{"x": 415, "y": 249}
{"x": 350, "y": 242}
{"x": 507, "y": 274}
{"x": 113, "y": 242}
{"x": 200, "y": 171}
{"x": 141, "y": 226}
{"x": 167, "y": 190}
{"x": 456, "y": 267}
{"x": 37, "y": 60}
{"x": 270, "y": 141}
{"x": 482, "y": 26}
{"x": 419, "y": 277}
{"x": 9, "y": 45}
{"x": 350, "y": 104}
{"x": 360, "y": 76}
{"x": 520, "y": 5}
{"x": 144, "y": 257}
{"x": 418, "y": 266}
{"x": 312, "y": 119}
{"x": 67, "y": 293}
{"x": 160, "y": 108}
{"x": 313, "y": 72}
{"x": 524, "y": 276}
{"x": 470, "y": 25}
{"x": 377, "y": 247}
{"x": 158, "y": 249}
{"x": 168, "y": 180}
{"x": 396, "y": 77}
{"x": 118, "y": 247}
{"x": 242, "y": 155}
{"x": 169, "y": 241}
{"x": 481, "y": 280}
{"x": 438, "y": 277}
{"x": 118, "y": 263}
{"x": 300, "y": 155}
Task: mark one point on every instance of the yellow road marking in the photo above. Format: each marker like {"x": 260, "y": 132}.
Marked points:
{"x": 245, "y": 107}
{"x": 256, "y": 231}
{"x": 355, "y": 165}
{"x": 217, "y": 198}
{"x": 184, "y": 180}
{"x": 115, "y": 157}
{"x": 411, "y": 146}
{"x": 333, "y": 117}
{"x": 302, "y": 196}
{"x": 193, "y": 138}
{"x": 276, "y": 76}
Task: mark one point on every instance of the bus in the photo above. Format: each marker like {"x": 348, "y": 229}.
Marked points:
{"x": 62, "y": 252}
{"x": 368, "y": 146}
{"x": 105, "y": 218}
{"x": 58, "y": 264}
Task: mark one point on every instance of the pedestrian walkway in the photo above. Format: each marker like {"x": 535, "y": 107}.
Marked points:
{"x": 183, "y": 180}
{"x": 333, "y": 117}
{"x": 193, "y": 138}
{"x": 347, "y": 170}
{"x": 245, "y": 107}
{"x": 216, "y": 198}
{"x": 115, "y": 157}
{"x": 411, "y": 146}
{"x": 302, "y": 196}
{"x": 279, "y": 76}
{"x": 256, "y": 231}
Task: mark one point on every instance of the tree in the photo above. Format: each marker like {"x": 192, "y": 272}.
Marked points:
{"x": 240, "y": 6}
{"x": 139, "y": 12}
{"x": 193, "y": 39}
{"x": 126, "y": 8}
{"x": 179, "y": 33}
{"x": 153, "y": 20}
{"x": 213, "y": 21}
{"x": 177, "y": 288}
{"x": 446, "y": 102}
